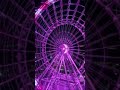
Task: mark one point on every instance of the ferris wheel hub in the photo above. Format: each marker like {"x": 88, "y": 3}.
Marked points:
{"x": 64, "y": 48}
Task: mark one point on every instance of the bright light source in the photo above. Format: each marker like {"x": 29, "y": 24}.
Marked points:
{"x": 36, "y": 83}
{"x": 51, "y": 1}
{"x": 38, "y": 12}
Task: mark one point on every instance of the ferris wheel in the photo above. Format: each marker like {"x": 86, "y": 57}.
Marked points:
{"x": 60, "y": 45}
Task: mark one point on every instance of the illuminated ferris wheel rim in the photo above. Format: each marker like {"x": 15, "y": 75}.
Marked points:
{"x": 72, "y": 22}
{"x": 43, "y": 7}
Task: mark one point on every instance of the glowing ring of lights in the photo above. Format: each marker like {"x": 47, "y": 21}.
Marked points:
{"x": 74, "y": 38}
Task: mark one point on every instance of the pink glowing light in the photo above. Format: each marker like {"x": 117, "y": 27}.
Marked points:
{"x": 64, "y": 48}
{"x": 39, "y": 87}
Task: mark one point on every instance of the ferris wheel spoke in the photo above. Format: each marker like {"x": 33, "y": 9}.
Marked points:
{"x": 52, "y": 80}
{"x": 73, "y": 63}
{"x": 76, "y": 72}
{"x": 49, "y": 66}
